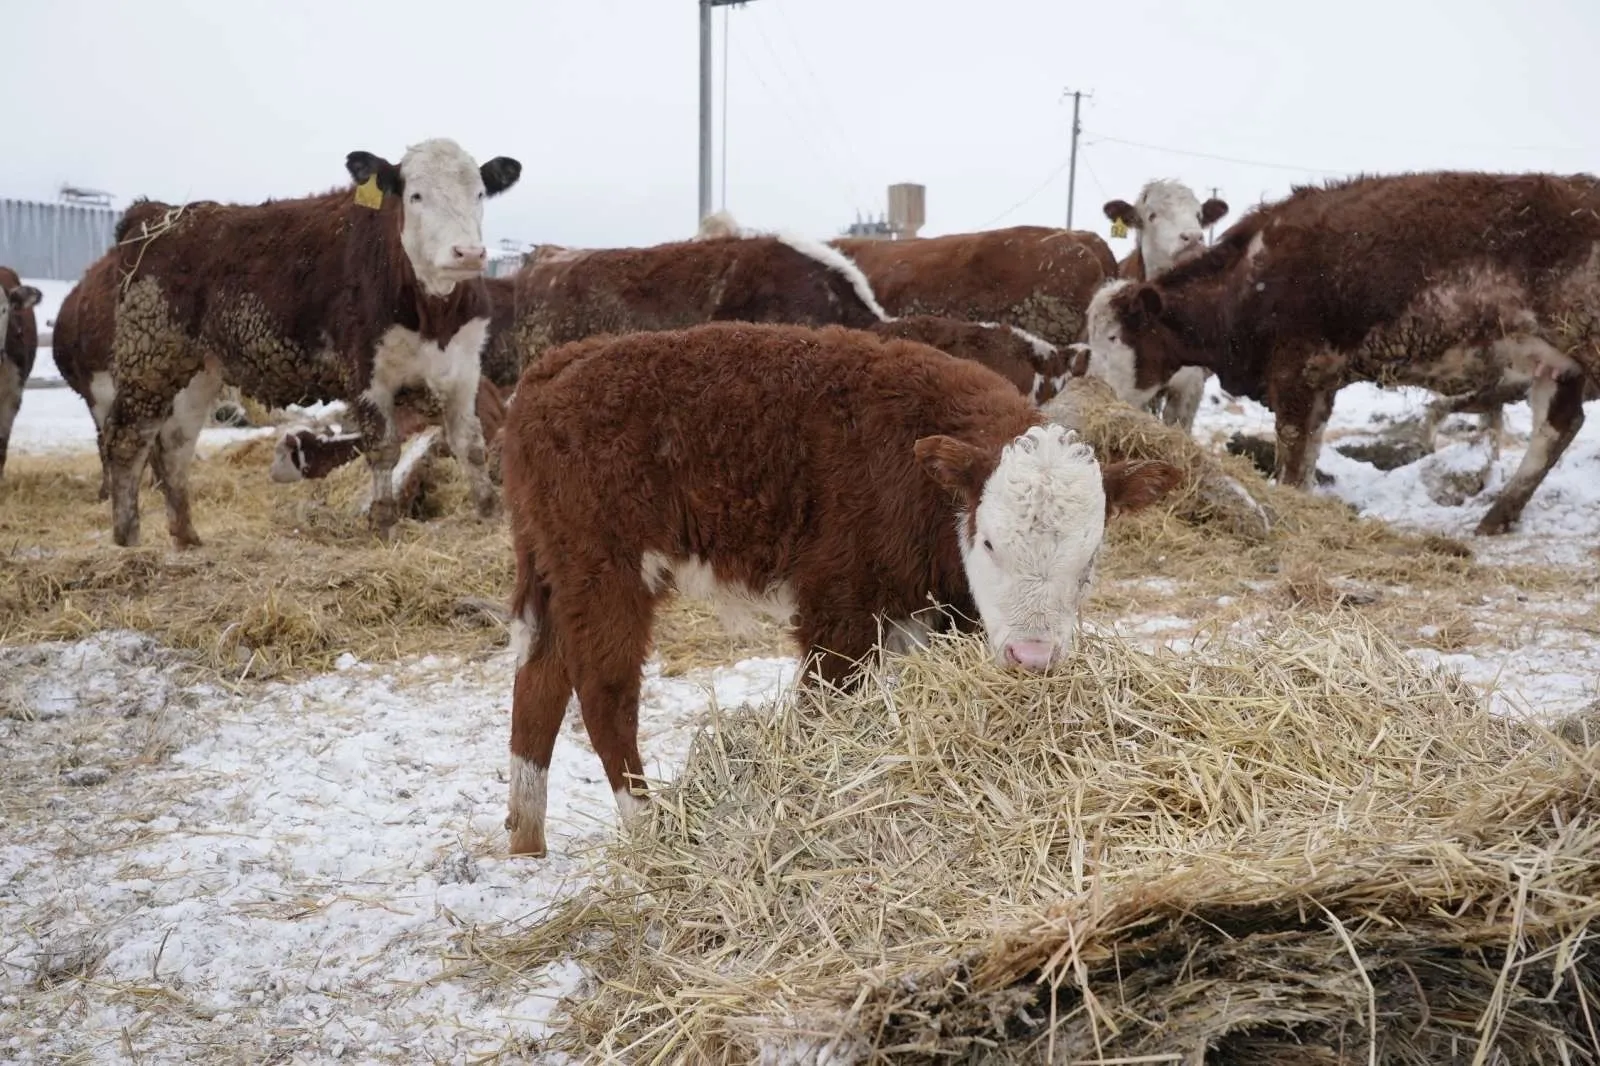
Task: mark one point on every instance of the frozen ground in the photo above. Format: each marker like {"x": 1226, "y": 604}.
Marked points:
{"x": 278, "y": 872}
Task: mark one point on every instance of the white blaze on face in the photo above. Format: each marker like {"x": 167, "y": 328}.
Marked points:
{"x": 1111, "y": 357}
{"x": 1039, "y": 523}
{"x": 443, "y": 203}
{"x": 1171, "y": 229}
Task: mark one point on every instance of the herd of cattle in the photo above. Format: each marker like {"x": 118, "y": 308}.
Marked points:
{"x": 834, "y": 434}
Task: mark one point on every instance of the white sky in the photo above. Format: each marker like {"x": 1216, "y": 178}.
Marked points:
{"x": 829, "y": 102}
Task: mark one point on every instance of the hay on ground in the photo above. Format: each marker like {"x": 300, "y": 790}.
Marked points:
{"x": 1308, "y": 848}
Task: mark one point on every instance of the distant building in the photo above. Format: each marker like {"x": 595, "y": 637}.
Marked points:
{"x": 57, "y": 241}
{"x": 906, "y": 215}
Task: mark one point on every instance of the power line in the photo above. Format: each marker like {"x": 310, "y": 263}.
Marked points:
{"x": 1032, "y": 195}
{"x": 1098, "y": 137}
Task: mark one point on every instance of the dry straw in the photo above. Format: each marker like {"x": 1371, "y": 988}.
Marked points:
{"x": 1303, "y": 849}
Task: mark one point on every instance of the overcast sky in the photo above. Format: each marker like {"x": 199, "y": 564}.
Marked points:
{"x": 829, "y": 101}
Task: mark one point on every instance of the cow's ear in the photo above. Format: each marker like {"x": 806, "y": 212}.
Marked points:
{"x": 23, "y": 297}
{"x": 961, "y": 469}
{"x": 499, "y": 174}
{"x": 1133, "y": 484}
{"x": 1149, "y": 300}
{"x": 365, "y": 165}
{"x": 1212, "y": 210}
{"x": 1078, "y": 366}
{"x": 1121, "y": 211}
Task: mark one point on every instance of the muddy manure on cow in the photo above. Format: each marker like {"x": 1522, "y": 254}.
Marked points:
{"x": 1304, "y": 847}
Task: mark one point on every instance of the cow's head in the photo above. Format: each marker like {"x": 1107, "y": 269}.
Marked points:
{"x": 1171, "y": 222}
{"x": 441, "y": 192}
{"x": 1031, "y": 517}
{"x": 17, "y": 300}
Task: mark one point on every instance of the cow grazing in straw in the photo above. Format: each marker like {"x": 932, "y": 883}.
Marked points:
{"x": 1170, "y": 223}
{"x": 20, "y": 334}
{"x": 1455, "y": 282}
{"x": 828, "y": 478}
{"x": 351, "y": 295}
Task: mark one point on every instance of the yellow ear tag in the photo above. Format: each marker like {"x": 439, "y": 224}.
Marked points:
{"x": 368, "y": 194}
{"x": 1119, "y": 228}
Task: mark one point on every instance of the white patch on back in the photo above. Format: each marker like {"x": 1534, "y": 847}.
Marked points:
{"x": 836, "y": 260}
{"x": 1042, "y": 349}
{"x": 737, "y": 607}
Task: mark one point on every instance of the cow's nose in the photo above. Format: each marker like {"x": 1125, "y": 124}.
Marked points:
{"x": 468, "y": 255}
{"x": 1030, "y": 654}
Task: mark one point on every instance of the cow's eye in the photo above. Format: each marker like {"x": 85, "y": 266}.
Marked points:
{"x": 987, "y": 545}
{"x": 416, "y": 197}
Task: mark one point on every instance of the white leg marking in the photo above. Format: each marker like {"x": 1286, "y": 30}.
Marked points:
{"x": 530, "y": 786}
{"x": 629, "y": 806}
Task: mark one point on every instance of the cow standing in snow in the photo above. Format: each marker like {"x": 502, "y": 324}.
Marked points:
{"x": 1460, "y": 283}
{"x": 1170, "y": 223}
{"x": 826, "y": 477}
{"x": 351, "y": 295}
{"x": 20, "y": 334}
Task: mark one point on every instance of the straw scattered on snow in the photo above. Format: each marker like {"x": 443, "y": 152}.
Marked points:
{"x": 1307, "y": 849}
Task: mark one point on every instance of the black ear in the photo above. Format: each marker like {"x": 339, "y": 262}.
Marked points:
{"x": 1149, "y": 300}
{"x": 364, "y": 165}
{"x": 1212, "y": 210}
{"x": 24, "y": 296}
{"x": 499, "y": 174}
{"x": 1121, "y": 211}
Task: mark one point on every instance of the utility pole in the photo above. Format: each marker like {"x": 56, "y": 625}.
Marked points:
{"x": 705, "y": 102}
{"x": 1072, "y": 166}
{"x": 1211, "y": 230}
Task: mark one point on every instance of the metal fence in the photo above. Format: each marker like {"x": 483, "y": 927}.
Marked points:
{"x": 60, "y": 241}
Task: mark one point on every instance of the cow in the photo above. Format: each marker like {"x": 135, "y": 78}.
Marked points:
{"x": 1032, "y": 277}
{"x": 349, "y": 295}
{"x": 1035, "y": 366}
{"x": 1170, "y": 223}
{"x": 304, "y": 453}
{"x": 20, "y": 331}
{"x": 828, "y": 477}
{"x": 578, "y": 293}
{"x": 1452, "y": 281}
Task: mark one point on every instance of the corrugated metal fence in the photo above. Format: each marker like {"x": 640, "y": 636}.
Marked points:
{"x": 43, "y": 240}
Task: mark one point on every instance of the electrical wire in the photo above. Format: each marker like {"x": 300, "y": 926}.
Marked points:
{"x": 1107, "y": 138}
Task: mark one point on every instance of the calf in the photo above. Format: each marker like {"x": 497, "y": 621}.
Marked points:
{"x": 1456, "y": 282}
{"x": 1033, "y": 365}
{"x": 351, "y": 295}
{"x": 21, "y": 336}
{"x": 829, "y": 477}
{"x": 1170, "y": 222}
{"x": 575, "y": 293}
{"x": 1031, "y": 277}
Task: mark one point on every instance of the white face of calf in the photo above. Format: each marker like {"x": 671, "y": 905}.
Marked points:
{"x": 441, "y": 192}
{"x": 1111, "y": 357}
{"x": 1171, "y": 222}
{"x": 1030, "y": 524}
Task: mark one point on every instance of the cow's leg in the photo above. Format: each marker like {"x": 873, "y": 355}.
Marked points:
{"x": 131, "y": 427}
{"x": 1557, "y": 404}
{"x": 1492, "y": 423}
{"x": 538, "y": 704}
{"x": 1183, "y": 393}
{"x": 465, "y": 434}
{"x": 1302, "y": 414}
{"x": 101, "y": 392}
{"x": 10, "y": 403}
{"x": 173, "y": 451}
{"x": 374, "y": 411}
{"x": 834, "y": 644}
{"x": 610, "y": 640}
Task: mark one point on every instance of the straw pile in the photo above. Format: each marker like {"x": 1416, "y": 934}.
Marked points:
{"x": 1306, "y": 848}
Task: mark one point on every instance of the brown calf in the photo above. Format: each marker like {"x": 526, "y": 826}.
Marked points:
{"x": 20, "y": 334}
{"x": 1455, "y": 282}
{"x": 352, "y": 295}
{"x": 1034, "y": 366}
{"x": 1031, "y": 277}
{"x": 825, "y": 476}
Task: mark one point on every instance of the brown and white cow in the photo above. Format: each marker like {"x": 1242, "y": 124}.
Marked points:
{"x": 1455, "y": 282}
{"x": 577, "y": 293}
{"x": 1031, "y": 277}
{"x": 351, "y": 295}
{"x": 1170, "y": 223}
{"x": 1036, "y": 367}
{"x": 827, "y": 477}
{"x": 20, "y": 333}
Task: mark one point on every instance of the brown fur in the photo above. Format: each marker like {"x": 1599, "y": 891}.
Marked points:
{"x": 21, "y": 347}
{"x": 1381, "y": 279}
{"x": 291, "y": 297}
{"x": 1032, "y": 277}
{"x": 996, "y": 347}
{"x": 827, "y": 463}
{"x": 577, "y": 294}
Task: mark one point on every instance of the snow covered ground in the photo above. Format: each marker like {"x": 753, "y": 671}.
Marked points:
{"x": 278, "y": 872}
